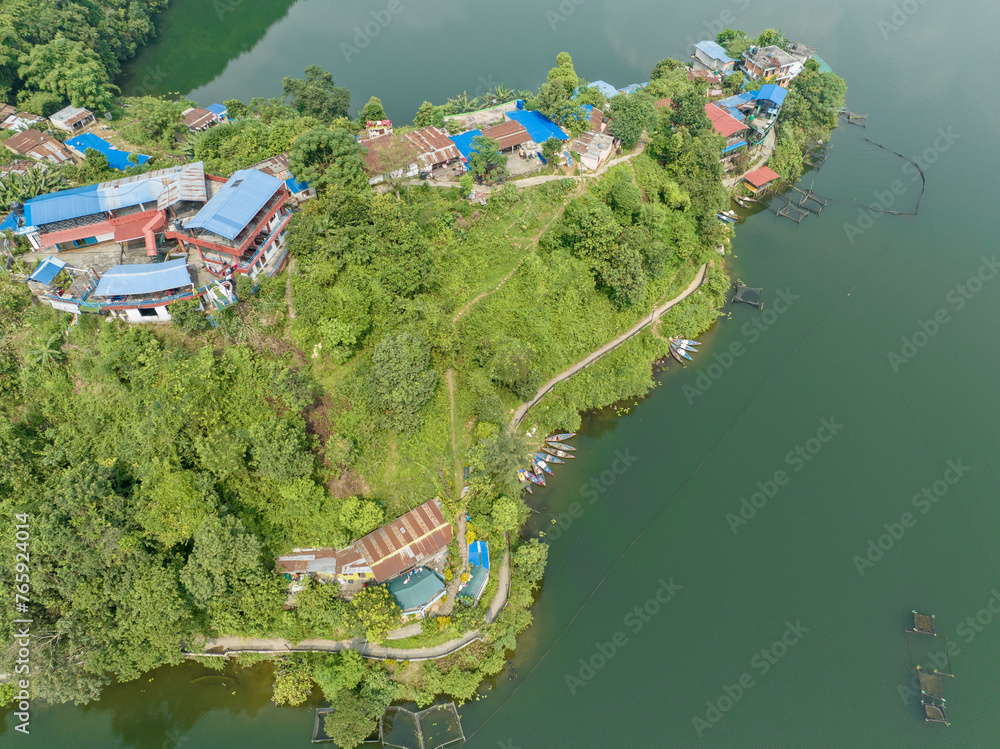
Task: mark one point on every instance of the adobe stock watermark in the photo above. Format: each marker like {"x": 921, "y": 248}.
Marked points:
{"x": 723, "y": 361}
{"x": 596, "y": 489}
{"x": 967, "y": 629}
{"x": 761, "y": 663}
{"x": 224, "y": 7}
{"x": 634, "y": 621}
{"x": 957, "y": 297}
{"x": 899, "y": 17}
{"x": 796, "y": 459}
{"x": 562, "y": 13}
{"x": 886, "y": 199}
{"x": 725, "y": 20}
{"x": 922, "y": 501}
{"x": 365, "y": 33}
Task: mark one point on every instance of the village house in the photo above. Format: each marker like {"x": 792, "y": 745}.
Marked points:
{"x": 72, "y": 119}
{"x": 198, "y": 119}
{"x": 140, "y": 293}
{"x": 378, "y": 127}
{"x": 11, "y": 119}
{"x": 386, "y": 151}
{"x": 241, "y": 229}
{"x": 417, "y": 593}
{"x": 479, "y": 573}
{"x": 37, "y": 145}
{"x": 434, "y": 149}
{"x": 508, "y": 135}
{"x": 21, "y": 167}
{"x": 219, "y": 110}
{"x": 713, "y": 57}
{"x": 727, "y": 126}
{"x": 277, "y": 166}
{"x": 343, "y": 566}
{"x": 594, "y": 148}
{"x": 771, "y": 65}
{"x": 605, "y": 88}
{"x": 761, "y": 180}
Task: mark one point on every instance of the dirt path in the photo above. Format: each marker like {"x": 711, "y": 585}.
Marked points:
{"x": 610, "y": 346}
{"x": 288, "y": 290}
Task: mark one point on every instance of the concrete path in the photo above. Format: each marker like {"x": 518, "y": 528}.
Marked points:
{"x": 610, "y": 346}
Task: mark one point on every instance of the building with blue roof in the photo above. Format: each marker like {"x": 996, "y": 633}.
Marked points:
{"x": 479, "y": 554}
{"x": 539, "y": 127}
{"x": 241, "y": 229}
{"x": 116, "y": 159}
{"x": 219, "y": 110}
{"x": 713, "y": 56}
{"x": 739, "y": 105}
{"x": 605, "y": 88}
{"x": 772, "y": 93}
{"x": 472, "y": 590}
{"x": 632, "y": 88}
{"x": 9, "y": 223}
{"x": 417, "y": 592}
{"x": 463, "y": 142}
{"x": 141, "y": 292}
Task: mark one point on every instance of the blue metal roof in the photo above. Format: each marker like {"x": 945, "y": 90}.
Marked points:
{"x": 539, "y": 127}
{"x": 773, "y": 93}
{"x": 47, "y": 270}
{"x": 714, "y": 50}
{"x": 236, "y": 203}
{"x": 219, "y": 109}
{"x": 604, "y": 87}
{"x": 463, "y": 141}
{"x": 479, "y": 554}
{"x": 296, "y": 187}
{"x": 9, "y": 223}
{"x": 416, "y": 589}
{"x": 147, "y": 278}
{"x": 632, "y": 88}
{"x": 116, "y": 159}
{"x": 473, "y": 589}
{"x": 733, "y": 147}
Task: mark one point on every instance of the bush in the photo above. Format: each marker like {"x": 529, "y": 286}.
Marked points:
{"x": 188, "y": 316}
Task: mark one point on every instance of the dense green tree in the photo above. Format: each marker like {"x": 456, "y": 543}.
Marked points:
{"x": 564, "y": 72}
{"x": 401, "y": 380}
{"x": 551, "y": 149}
{"x": 813, "y": 101}
{"x": 327, "y": 158}
{"x": 224, "y": 557}
{"x": 734, "y": 41}
{"x": 664, "y": 67}
{"x": 235, "y": 109}
{"x": 154, "y": 120}
{"x": 293, "y": 681}
{"x": 631, "y": 115}
{"x": 357, "y": 710}
{"x": 372, "y": 613}
{"x": 427, "y": 114}
{"x": 317, "y": 95}
{"x": 508, "y": 514}
{"x": 69, "y": 69}
{"x": 529, "y": 561}
{"x": 372, "y": 110}
{"x": 485, "y": 160}
{"x": 689, "y": 111}
{"x": 360, "y": 516}
{"x": 771, "y": 37}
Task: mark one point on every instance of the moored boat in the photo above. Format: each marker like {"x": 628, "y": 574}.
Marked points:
{"x": 677, "y": 356}
{"x": 548, "y": 457}
{"x": 561, "y": 446}
{"x": 560, "y": 437}
{"x": 555, "y": 451}
{"x": 685, "y": 341}
{"x": 543, "y": 465}
{"x": 530, "y": 476}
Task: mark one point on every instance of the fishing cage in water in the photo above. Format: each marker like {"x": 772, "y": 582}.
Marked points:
{"x": 748, "y": 295}
{"x": 931, "y": 683}
{"x": 434, "y": 728}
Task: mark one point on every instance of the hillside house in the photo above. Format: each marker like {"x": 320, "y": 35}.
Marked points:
{"x": 761, "y": 180}
{"x": 771, "y": 65}
{"x": 344, "y": 566}
{"x": 384, "y": 152}
{"x": 727, "y": 126}
{"x": 418, "y": 592}
{"x": 277, "y": 166}
{"x": 11, "y": 119}
{"x": 198, "y": 119}
{"x": 713, "y": 57}
{"x": 72, "y": 119}
{"x": 140, "y": 293}
{"x": 34, "y": 144}
{"x": 434, "y": 149}
{"x": 406, "y": 542}
{"x": 594, "y": 148}
{"x": 509, "y": 135}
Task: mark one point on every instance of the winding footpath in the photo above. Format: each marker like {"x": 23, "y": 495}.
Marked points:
{"x": 610, "y": 346}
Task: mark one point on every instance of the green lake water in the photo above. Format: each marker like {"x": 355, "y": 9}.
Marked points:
{"x": 646, "y": 502}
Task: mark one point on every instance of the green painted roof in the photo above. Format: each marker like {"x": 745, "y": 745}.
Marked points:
{"x": 823, "y": 66}
{"x": 415, "y": 590}
{"x": 478, "y": 577}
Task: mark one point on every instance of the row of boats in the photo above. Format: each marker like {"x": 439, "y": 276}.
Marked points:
{"x": 681, "y": 349}
{"x": 555, "y": 450}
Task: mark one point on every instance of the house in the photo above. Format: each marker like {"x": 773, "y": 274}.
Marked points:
{"x": 141, "y": 292}
{"x": 769, "y": 99}
{"x": 380, "y": 154}
{"x": 60, "y": 286}
{"x": 417, "y": 592}
{"x": 540, "y": 128}
{"x": 509, "y": 135}
{"x": 241, "y": 229}
{"x": 740, "y": 105}
{"x": 122, "y": 210}
{"x": 11, "y": 119}
{"x": 713, "y": 56}
{"x": 378, "y": 127}
{"x": 472, "y": 589}
{"x": 605, "y": 88}
{"x": 761, "y": 179}
{"x": 727, "y": 126}
{"x": 37, "y": 145}
{"x": 801, "y": 52}
{"x": 19, "y": 166}
{"x": 72, "y": 119}
{"x": 198, "y": 119}
{"x": 116, "y": 159}
{"x": 771, "y": 65}
{"x": 632, "y": 88}
{"x": 277, "y": 166}
{"x": 342, "y": 565}
{"x": 434, "y": 149}
{"x": 704, "y": 75}
{"x": 219, "y": 110}
{"x": 594, "y": 148}
{"x": 596, "y": 119}
{"x": 407, "y": 541}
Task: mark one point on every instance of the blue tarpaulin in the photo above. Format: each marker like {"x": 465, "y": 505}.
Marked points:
{"x": 463, "y": 142}
{"x": 116, "y": 159}
{"x": 539, "y": 127}
{"x": 236, "y": 203}
{"x": 9, "y": 223}
{"x": 218, "y": 109}
{"x": 46, "y": 272}
{"x": 733, "y": 147}
{"x": 479, "y": 554}
{"x": 296, "y": 187}
{"x": 604, "y": 87}
{"x": 147, "y": 278}
{"x": 773, "y": 93}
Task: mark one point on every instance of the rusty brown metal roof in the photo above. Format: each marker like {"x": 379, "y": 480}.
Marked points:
{"x": 329, "y": 561}
{"x": 508, "y": 134}
{"x": 434, "y": 147}
{"x": 399, "y": 545}
{"x": 196, "y": 118}
{"x": 37, "y": 145}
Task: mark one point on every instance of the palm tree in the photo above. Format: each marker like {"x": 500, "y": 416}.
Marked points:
{"x": 48, "y": 352}
{"x": 461, "y": 102}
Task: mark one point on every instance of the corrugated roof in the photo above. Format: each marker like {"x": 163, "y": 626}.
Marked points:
{"x": 397, "y": 546}
{"x": 479, "y": 554}
{"x": 605, "y": 88}
{"x": 723, "y": 122}
{"x": 476, "y": 584}
{"x": 772, "y": 92}
{"x": 463, "y": 141}
{"x": 47, "y": 270}
{"x": 328, "y": 561}
{"x": 70, "y": 116}
{"x": 196, "y": 117}
{"x": 714, "y": 50}
{"x": 539, "y": 127}
{"x": 147, "y": 278}
{"x": 38, "y": 145}
{"x": 415, "y": 591}
{"x": 508, "y": 134}
{"x": 761, "y": 176}
{"x": 236, "y": 203}
{"x": 164, "y": 187}
{"x": 434, "y": 147}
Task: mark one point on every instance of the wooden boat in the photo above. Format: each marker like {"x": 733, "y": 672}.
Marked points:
{"x": 520, "y": 476}
{"x": 684, "y": 347}
{"x": 530, "y": 476}
{"x": 543, "y": 465}
{"x": 527, "y": 485}
{"x": 677, "y": 356}
{"x": 685, "y": 341}
{"x": 561, "y": 446}
{"x": 540, "y": 479}
{"x": 536, "y": 471}
{"x": 549, "y": 457}
{"x": 556, "y": 451}
{"x": 560, "y": 437}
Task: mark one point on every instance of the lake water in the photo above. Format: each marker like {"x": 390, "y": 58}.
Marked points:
{"x": 770, "y": 634}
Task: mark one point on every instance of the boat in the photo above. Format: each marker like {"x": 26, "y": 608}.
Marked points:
{"x": 555, "y": 451}
{"x": 536, "y": 471}
{"x": 560, "y": 437}
{"x": 683, "y": 353}
{"x": 550, "y": 457}
{"x": 725, "y": 219}
{"x": 684, "y": 347}
{"x": 540, "y": 479}
{"x": 543, "y": 465}
{"x": 530, "y": 476}
{"x": 561, "y": 446}
{"x": 677, "y": 356}
{"x": 685, "y": 341}
{"x": 520, "y": 476}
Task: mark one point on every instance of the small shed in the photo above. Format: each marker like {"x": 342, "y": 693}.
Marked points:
{"x": 197, "y": 119}
{"x": 72, "y": 119}
{"x": 761, "y": 179}
{"x": 416, "y": 592}
{"x": 605, "y": 88}
{"x": 472, "y": 590}
{"x": 479, "y": 554}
